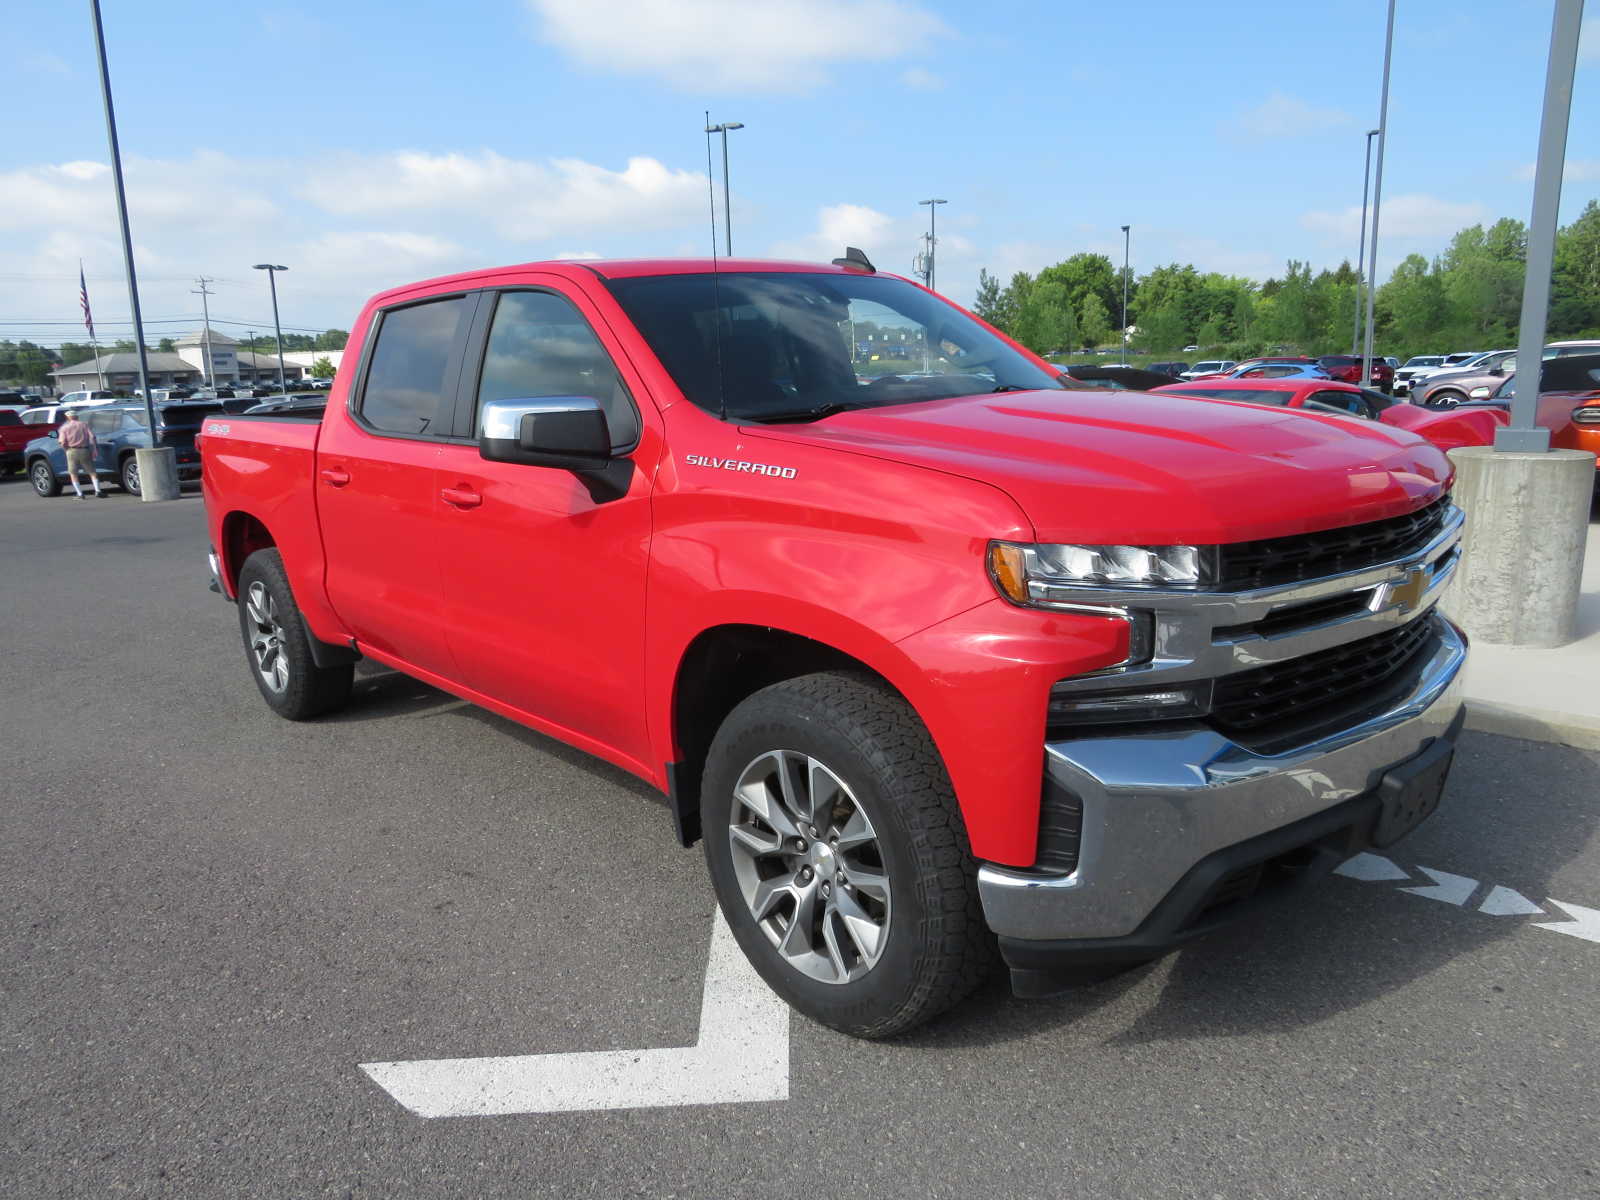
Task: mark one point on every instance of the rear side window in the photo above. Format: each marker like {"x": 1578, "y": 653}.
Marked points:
{"x": 408, "y": 387}
{"x": 1246, "y": 395}
{"x": 7, "y": 417}
{"x": 539, "y": 345}
{"x": 1345, "y": 402}
{"x": 101, "y": 423}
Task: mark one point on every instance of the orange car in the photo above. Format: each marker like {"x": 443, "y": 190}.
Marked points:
{"x": 1569, "y": 402}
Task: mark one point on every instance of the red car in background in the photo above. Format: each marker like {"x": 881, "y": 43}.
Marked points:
{"x": 1347, "y": 369}
{"x": 1446, "y": 430}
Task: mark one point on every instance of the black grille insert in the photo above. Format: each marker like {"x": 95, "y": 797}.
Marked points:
{"x": 1244, "y": 566}
{"x": 1292, "y": 699}
{"x": 1060, "y": 828}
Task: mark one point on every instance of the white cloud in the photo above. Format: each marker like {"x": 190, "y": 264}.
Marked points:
{"x": 1414, "y": 216}
{"x": 1581, "y": 170}
{"x": 727, "y": 45}
{"x": 78, "y": 195}
{"x": 577, "y": 255}
{"x": 1281, "y": 115}
{"x": 921, "y": 79}
{"x": 517, "y": 198}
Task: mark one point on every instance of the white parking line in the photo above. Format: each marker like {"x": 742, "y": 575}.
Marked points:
{"x": 1574, "y": 920}
{"x": 742, "y": 1055}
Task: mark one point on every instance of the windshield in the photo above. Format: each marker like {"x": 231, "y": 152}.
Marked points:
{"x": 799, "y": 346}
{"x": 1424, "y": 360}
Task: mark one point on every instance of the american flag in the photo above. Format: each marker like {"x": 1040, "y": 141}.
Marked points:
{"x": 83, "y": 302}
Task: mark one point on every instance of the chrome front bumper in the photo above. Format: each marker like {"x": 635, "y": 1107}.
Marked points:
{"x": 1155, "y": 805}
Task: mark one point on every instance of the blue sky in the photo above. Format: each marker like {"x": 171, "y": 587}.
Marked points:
{"x": 367, "y": 144}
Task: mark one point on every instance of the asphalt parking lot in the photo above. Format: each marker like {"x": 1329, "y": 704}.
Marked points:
{"x": 212, "y": 918}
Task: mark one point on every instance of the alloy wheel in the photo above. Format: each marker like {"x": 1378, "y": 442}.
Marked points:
{"x": 43, "y": 477}
{"x": 809, "y": 866}
{"x": 266, "y": 637}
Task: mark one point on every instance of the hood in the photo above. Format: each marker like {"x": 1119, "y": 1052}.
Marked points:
{"x": 1134, "y": 467}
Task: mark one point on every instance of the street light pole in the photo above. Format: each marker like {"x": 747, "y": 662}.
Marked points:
{"x": 1126, "y": 242}
{"x": 122, "y": 216}
{"x": 727, "y": 203}
{"x": 933, "y": 239}
{"x": 204, "y": 292}
{"x": 1361, "y": 251}
{"x": 272, "y": 275}
{"x": 1377, "y": 196}
{"x": 1523, "y": 433}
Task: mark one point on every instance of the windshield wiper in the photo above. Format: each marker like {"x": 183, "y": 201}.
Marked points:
{"x": 805, "y": 414}
{"x": 1011, "y": 387}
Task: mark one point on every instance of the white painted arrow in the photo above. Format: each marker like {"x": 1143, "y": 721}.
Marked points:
{"x": 742, "y": 1055}
{"x": 1585, "y": 922}
{"x": 1370, "y": 868}
{"x": 1508, "y": 902}
{"x": 1452, "y": 889}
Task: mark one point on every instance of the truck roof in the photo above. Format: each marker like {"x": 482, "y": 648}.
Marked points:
{"x": 617, "y": 268}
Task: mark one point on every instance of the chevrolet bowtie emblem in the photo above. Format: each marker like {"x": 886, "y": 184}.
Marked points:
{"x": 1407, "y": 595}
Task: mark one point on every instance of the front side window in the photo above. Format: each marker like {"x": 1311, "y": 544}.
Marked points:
{"x": 407, "y": 385}
{"x": 539, "y": 345}
{"x": 797, "y": 346}
{"x": 102, "y": 423}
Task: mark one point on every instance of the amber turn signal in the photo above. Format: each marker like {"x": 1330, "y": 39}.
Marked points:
{"x": 1008, "y": 567}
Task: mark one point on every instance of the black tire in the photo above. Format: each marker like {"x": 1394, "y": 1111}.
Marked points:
{"x": 1444, "y": 398}
{"x": 44, "y": 479}
{"x": 936, "y": 948}
{"x": 128, "y": 474}
{"x": 306, "y": 690}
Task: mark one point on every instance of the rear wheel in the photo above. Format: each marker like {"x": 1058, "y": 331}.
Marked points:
{"x": 129, "y": 475}
{"x": 43, "y": 478}
{"x": 839, "y": 856}
{"x": 279, "y": 647}
{"x": 1445, "y": 398}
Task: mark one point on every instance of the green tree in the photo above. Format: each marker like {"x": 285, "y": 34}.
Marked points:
{"x": 1094, "y": 323}
{"x": 1161, "y": 330}
{"x": 322, "y": 368}
{"x": 332, "y": 339}
{"x": 1575, "y": 283}
{"x": 1046, "y": 322}
{"x": 990, "y": 301}
{"x": 166, "y": 345}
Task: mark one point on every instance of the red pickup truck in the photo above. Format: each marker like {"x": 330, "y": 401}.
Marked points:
{"x": 940, "y": 657}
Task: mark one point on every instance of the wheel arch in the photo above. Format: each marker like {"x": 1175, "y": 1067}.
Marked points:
{"x": 723, "y": 665}
{"x": 242, "y": 535}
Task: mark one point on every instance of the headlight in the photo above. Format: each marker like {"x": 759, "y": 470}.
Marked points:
{"x": 1478, "y": 393}
{"x": 1051, "y": 575}
{"x": 1586, "y": 415}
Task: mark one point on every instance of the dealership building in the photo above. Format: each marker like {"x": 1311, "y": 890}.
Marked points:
{"x": 187, "y": 364}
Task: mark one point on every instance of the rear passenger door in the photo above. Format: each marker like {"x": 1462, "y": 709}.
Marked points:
{"x": 376, "y": 486}
{"x": 543, "y": 571}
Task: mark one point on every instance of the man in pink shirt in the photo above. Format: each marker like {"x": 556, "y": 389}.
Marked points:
{"x": 78, "y": 441}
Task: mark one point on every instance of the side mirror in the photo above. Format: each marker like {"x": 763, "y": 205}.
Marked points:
{"x": 568, "y": 432}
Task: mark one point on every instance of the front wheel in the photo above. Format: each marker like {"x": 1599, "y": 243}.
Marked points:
{"x": 279, "y": 647}
{"x": 839, "y": 856}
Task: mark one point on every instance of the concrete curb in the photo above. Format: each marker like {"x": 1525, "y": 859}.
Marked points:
{"x": 1534, "y": 724}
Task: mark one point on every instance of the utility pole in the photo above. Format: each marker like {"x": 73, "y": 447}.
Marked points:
{"x": 1361, "y": 253}
{"x": 1377, "y": 195}
{"x": 933, "y": 239}
{"x": 1126, "y": 243}
{"x": 727, "y": 209}
{"x": 122, "y": 216}
{"x": 205, "y": 294}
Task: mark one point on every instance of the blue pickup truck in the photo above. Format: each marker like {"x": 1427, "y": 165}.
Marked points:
{"x": 119, "y": 430}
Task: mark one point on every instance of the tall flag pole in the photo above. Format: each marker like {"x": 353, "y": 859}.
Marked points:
{"x": 88, "y": 323}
